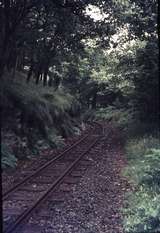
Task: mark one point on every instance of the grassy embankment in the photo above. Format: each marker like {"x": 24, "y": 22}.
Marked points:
{"x": 142, "y": 149}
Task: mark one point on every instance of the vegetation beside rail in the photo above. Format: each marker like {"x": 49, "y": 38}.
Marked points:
{"x": 141, "y": 140}
{"x": 64, "y": 62}
{"x": 40, "y": 118}
{"x": 142, "y": 207}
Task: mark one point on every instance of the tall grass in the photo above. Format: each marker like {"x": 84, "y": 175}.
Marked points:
{"x": 142, "y": 207}
{"x": 142, "y": 148}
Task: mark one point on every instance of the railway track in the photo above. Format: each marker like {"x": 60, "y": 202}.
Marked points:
{"x": 23, "y": 199}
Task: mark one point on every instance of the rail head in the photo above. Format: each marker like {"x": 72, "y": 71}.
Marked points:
{"x": 12, "y": 189}
{"x": 99, "y": 124}
{"x": 26, "y": 214}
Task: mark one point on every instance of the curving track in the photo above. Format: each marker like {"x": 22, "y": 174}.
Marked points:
{"x": 24, "y": 198}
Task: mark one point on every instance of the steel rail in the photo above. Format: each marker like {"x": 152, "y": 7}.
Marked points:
{"x": 11, "y": 190}
{"x": 99, "y": 124}
{"x": 26, "y": 214}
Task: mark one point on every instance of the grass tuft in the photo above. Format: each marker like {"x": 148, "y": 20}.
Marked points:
{"x": 142, "y": 207}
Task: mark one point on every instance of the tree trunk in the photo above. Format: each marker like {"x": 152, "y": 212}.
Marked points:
{"x": 29, "y": 74}
{"x": 14, "y": 68}
{"x": 3, "y": 55}
{"x": 38, "y": 77}
{"x": 50, "y": 82}
{"x": 45, "y": 77}
{"x": 94, "y": 99}
{"x": 20, "y": 62}
{"x": 41, "y": 77}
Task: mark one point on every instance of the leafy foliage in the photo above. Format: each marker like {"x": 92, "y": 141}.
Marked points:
{"x": 7, "y": 159}
{"x": 142, "y": 208}
{"x": 39, "y": 111}
{"x": 120, "y": 117}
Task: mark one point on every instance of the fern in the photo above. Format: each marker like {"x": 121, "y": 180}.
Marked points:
{"x": 7, "y": 159}
{"x": 40, "y": 112}
{"x": 142, "y": 211}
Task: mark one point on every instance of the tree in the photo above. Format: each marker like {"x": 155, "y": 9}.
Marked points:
{"x": 12, "y": 14}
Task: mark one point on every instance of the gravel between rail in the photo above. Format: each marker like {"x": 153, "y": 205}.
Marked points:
{"x": 93, "y": 204}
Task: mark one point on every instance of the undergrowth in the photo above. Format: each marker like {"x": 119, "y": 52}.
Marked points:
{"x": 142, "y": 145}
{"x": 127, "y": 120}
{"x": 8, "y": 159}
{"x": 36, "y": 117}
{"x": 142, "y": 207}
{"x": 120, "y": 117}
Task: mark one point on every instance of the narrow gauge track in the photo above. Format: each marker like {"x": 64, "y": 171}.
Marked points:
{"x": 21, "y": 201}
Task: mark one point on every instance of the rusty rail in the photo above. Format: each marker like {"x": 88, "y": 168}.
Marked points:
{"x": 23, "y": 217}
{"x": 11, "y": 190}
{"x": 27, "y": 213}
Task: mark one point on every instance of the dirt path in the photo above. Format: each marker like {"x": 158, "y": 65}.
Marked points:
{"x": 93, "y": 204}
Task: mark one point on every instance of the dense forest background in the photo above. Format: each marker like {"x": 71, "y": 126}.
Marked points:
{"x": 68, "y": 61}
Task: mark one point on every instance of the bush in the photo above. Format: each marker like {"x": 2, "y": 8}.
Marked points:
{"x": 142, "y": 214}
{"x": 142, "y": 207}
{"x": 139, "y": 147}
{"x": 39, "y": 108}
{"x": 7, "y": 158}
{"x": 120, "y": 117}
{"x": 37, "y": 113}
